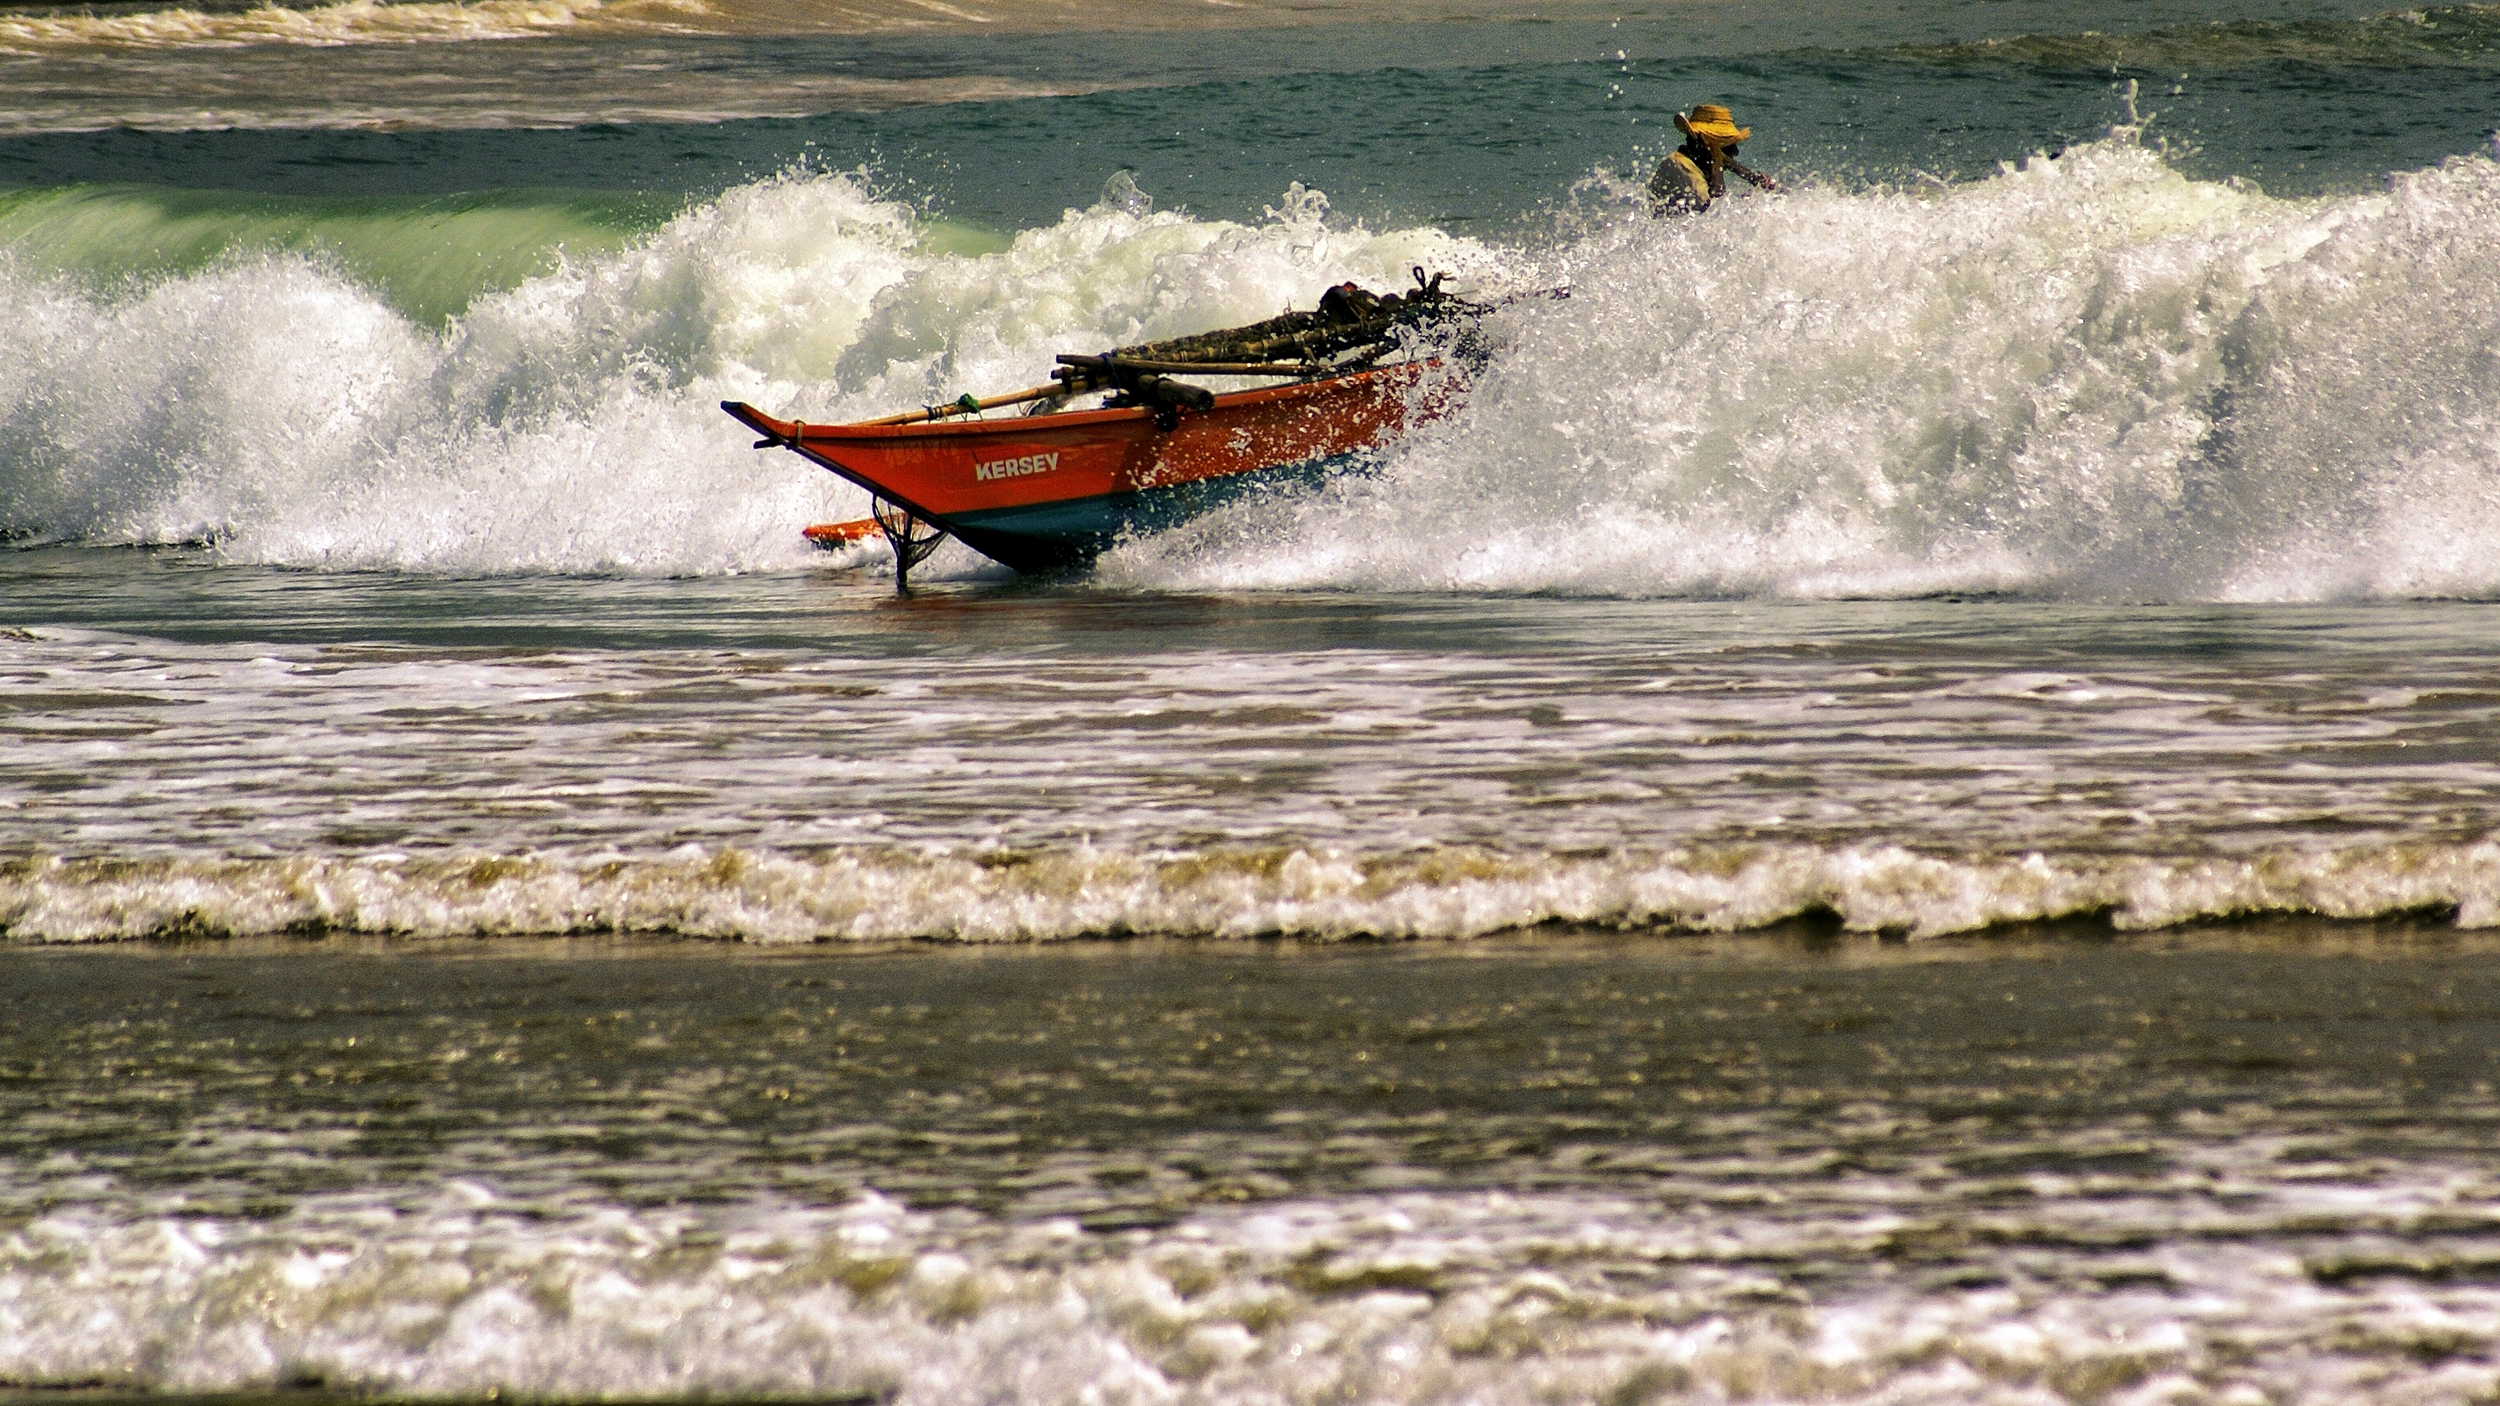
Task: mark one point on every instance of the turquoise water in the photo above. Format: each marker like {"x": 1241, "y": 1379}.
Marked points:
{"x": 1899, "y": 808}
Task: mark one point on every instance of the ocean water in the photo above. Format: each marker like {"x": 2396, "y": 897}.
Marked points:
{"x": 1903, "y": 805}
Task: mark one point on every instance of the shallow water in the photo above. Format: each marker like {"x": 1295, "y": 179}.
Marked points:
{"x": 2021, "y": 1170}
{"x": 197, "y": 745}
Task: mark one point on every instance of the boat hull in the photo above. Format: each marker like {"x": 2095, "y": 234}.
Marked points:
{"x": 1048, "y": 492}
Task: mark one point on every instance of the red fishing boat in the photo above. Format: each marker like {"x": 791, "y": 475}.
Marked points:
{"x": 1047, "y": 491}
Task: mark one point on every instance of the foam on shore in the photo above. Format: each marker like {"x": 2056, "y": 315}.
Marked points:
{"x": 1421, "y": 1297}
{"x": 872, "y": 895}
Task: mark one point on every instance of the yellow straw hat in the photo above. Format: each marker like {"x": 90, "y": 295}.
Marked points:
{"x": 1713, "y": 124}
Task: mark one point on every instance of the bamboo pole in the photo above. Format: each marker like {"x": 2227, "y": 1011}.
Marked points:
{"x": 1199, "y": 368}
{"x": 969, "y": 405}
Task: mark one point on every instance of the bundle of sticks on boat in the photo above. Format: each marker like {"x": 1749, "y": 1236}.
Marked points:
{"x": 1352, "y": 327}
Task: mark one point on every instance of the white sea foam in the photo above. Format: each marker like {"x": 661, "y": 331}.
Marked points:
{"x": 571, "y": 424}
{"x": 990, "y": 896}
{"x": 2091, "y": 376}
{"x": 1421, "y": 1297}
{"x": 1921, "y": 768}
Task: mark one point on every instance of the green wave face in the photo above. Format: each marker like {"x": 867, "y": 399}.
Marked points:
{"x": 430, "y": 257}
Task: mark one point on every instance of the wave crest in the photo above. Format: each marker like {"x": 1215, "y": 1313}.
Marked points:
{"x": 1286, "y": 891}
{"x": 2089, "y": 377}
{"x": 274, "y": 404}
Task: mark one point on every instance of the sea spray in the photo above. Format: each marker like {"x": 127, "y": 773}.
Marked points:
{"x": 271, "y": 404}
{"x": 2088, "y": 376}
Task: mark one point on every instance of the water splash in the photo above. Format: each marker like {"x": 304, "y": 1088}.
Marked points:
{"x": 2089, "y": 376}
{"x": 2086, "y": 376}
{"x": 274, "y": 404}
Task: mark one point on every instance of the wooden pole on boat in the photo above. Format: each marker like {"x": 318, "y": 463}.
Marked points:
{"x": 971, "y": 405}
{"x": 1090, "y": 373}
{"x": 1078, "y": 382}
{"x": 1200, "y": 368}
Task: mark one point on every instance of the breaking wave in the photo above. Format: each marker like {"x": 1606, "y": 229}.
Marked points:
{"x": 274, "y": 404}
{"x": 873, "y": 895}
{"x": 2087, "y": 377}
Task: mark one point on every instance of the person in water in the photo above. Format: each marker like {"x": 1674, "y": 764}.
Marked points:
{"x": 1695, "y": 174}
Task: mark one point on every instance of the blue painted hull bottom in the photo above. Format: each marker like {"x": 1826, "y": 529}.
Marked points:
{"x": 1043, "y": 538}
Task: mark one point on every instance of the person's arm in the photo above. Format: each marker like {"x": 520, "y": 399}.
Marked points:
{"x": 1757, "y": 177}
